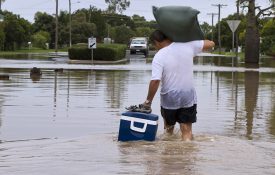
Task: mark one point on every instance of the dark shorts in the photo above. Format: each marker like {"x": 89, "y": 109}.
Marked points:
{"x": 182, "y": 115}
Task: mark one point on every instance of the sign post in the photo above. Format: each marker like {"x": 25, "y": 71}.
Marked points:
{"x": 92, "y": 46}
{"x": 233, "y": 25}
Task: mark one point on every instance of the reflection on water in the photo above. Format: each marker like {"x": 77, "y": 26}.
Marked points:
{"x": 245, "y": 99}
{"x": 70, "y": 118}
{"x": 162, "y": 157}
{"x": 232, "y": 61}
{"x": 251, "y": 84}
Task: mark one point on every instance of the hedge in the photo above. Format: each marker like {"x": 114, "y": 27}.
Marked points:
{"x": 103, "y": 52}
{"x": 272, "y": 51}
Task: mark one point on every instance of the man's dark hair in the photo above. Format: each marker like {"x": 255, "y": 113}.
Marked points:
{"x": 158, "y": 35}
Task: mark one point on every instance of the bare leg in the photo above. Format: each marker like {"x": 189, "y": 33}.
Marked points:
{"x": 168, "y": 129}
{"x": 186, "y": 131}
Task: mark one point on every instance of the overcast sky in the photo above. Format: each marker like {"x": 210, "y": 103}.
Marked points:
{"x": 27, "y": 8}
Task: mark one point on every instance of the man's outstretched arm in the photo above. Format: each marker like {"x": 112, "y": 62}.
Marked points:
{"x": 153, "y": 88}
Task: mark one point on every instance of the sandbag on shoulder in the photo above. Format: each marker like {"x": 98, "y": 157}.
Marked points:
{"x": 179, "y": 23}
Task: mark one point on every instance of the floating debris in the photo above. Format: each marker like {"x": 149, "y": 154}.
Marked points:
{"x": 4, "y": 77}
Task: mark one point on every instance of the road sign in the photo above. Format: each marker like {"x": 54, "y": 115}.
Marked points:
{"x": 92, "y": 43}
{"x": 233, "y": 24}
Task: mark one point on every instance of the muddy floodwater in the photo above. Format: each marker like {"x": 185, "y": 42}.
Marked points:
{"x": 66, "y": 121}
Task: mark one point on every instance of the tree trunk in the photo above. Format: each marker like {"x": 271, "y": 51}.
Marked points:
{"x": 252, "y": 37}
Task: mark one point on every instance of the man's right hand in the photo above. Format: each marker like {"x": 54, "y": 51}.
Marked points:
{"x": 146, "y": 107}
{"x": 208, "y": 45}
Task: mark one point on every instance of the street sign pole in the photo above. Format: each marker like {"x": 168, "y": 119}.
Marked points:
{"x": 233, "y": 25}
{"x": 92, "y": 46}
{"x": 233, "y": 43}
{"x": 92, "y": 56}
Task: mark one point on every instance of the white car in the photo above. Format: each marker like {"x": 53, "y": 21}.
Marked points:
{"x": 139, "y": 44}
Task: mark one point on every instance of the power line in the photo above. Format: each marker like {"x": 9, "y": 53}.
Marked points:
{"x": 219, "y": 29}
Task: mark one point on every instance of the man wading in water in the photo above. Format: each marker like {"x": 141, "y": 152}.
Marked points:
{"x": 173, "y": 67}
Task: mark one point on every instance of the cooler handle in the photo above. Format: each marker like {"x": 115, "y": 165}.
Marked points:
{"x": 143, "y": 129}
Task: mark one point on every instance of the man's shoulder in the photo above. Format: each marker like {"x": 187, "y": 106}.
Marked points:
{"x": 187, "y": 43}
{"x": 161, "y": 52}
{"x": 191, "y": 45}
{"x": 159, "y": 57}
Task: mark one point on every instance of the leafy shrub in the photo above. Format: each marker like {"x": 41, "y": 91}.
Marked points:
{"x": 272, "y": 51}
{"x": 268, "y": 38}
{"x": 40, "y": 39}
{"x": 268, "y": 45}
{"x": 2, "y": 39}
{"x": 103, "y": 52}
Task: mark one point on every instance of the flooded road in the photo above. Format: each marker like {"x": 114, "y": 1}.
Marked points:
{"x": 66, "y": 121}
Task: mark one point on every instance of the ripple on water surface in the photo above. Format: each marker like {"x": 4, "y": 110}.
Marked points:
{"x": 102, "y": 154}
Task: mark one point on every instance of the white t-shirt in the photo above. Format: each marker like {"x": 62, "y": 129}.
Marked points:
{"x": 173, "y": 65}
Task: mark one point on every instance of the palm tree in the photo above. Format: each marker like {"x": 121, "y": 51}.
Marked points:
{"x": 252, "y": 36}
{"x": 1, "y": 1}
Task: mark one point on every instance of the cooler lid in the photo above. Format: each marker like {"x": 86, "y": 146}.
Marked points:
{"x": 141, "y": 115}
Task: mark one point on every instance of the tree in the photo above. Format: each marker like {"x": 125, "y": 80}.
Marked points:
{"x": 45, "y": 22}
{"x": 140, "y": 21}
{"x": 143, "y": 32}
{"x": 138, "y": 18}
{"x": 118, "y": 20}
{"x": 98, "y": 19}
{"x": 25, "y": 36}
{"x": 2, "y": 37}
{"x": 17, "y": 30}
{"x": 94, "y": 15}
{"x": 123, "y": 34}
{"x": 117, "y": 5}
{"x": 64, "y": 28}
{"x": 63, "y": 18}
{"x": 268, "y": 37}
{"x": 252, "y": 35}
{"x": 207, "y": 30}
{"x": 40, "y": 39}
{"x": 81, "y": 29}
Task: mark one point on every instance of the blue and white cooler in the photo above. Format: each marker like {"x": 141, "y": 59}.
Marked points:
{"x": 137, "y": 126}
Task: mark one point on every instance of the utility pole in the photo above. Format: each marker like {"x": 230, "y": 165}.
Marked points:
{"x": 219, "y": 29}
{"x": 237, "y": 33}
{"x": 56, "y": 27}
{"x": 1, "y": 2}
{"x": 90, "y": 13}
{"x": 70, "y": 21}
{"x": 212, "y": 14}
